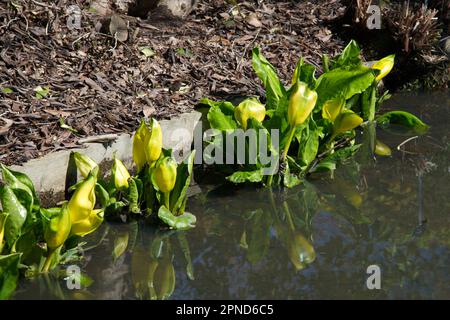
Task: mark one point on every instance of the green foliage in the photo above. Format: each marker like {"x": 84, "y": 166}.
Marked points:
{"x": 314, "y": 141}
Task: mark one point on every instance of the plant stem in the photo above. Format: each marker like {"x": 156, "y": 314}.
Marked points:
{"x": 269, "y": 180}
{"x": 167, "y": 200}
{"x": 48, "y": 260}
{"x": 288, "y": 216}
{"x": 288, "y": 144}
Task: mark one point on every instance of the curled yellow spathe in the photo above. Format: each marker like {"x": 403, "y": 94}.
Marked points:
{"x": 84, "y": 163}
{"x": 165, "y": 174}
{"x": 153, "y": 143}
{"x": 249, "y": 108}
{"x": 384, "y": 65}
{"x": 345, "y": 121}
{"x": 139, "y": 157}
{"x": 120, "y": 174}
{"x": 301, "y": 103}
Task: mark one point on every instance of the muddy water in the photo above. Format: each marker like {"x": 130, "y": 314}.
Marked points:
{"x": 383, "y": 222}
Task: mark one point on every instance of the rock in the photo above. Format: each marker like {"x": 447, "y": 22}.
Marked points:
{"x": 178, "y": 8}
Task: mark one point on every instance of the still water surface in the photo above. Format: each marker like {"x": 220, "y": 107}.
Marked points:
{"x": 314, "y": 241}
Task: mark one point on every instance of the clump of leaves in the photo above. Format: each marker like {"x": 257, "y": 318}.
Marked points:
{"x": 314, "y": 119}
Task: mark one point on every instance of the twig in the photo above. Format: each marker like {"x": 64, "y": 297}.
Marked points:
{"x": 100, "y": 138}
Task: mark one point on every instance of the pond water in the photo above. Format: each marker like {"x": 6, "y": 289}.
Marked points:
{"x": 315, "y": 241}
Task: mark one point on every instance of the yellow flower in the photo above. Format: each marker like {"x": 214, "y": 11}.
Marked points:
{"x": 153, "y": 143}
{"x": 57, "y": 228}
{"x": 381, "y": 149}
{"x": 84, "y": 163}
{"x": 332, "y": 108}
{"x": 89, "y": 224}
{"x": 249, "y": 108}
{"x": 165, "y": 175}
{"x": 346, "y": 121}
{"x": 301, "y": 103}
{"x": 385, "y": 66}
{"x": 301, "y": 252}
{"x": 139, "y": 146}
{"x": 120, "y": 174}
{"x": 83, "y": 200}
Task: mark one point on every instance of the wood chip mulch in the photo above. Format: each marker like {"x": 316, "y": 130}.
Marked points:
{"x": 60, "y": 85}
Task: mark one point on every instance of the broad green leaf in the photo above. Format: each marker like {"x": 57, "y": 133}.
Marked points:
{"x": 17, "y": 214}
{"x": 268, "y": 75}
{"x": 309, "y": 145}
{"x": 182, "y": 222}
{"x": 179, "y": 193}
{"x": 349, "y": 56}
{"x": 305, "y": 72}
{"x": 404, "y": 119}
{"x": 21, "y": 190}
{"x": 244, "y": 176}
{"x": 220, "y": 120}
{"x": 345, "y": 82}
{"x": 9, "y": 274}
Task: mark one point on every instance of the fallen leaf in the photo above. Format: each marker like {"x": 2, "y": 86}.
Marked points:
{"x": 118, "y": 28}
{"x": 5, "y": 128}
{"x": 148, "y": 111}
{"x": 58, "y": 113}
{"x": 252, "y": 19}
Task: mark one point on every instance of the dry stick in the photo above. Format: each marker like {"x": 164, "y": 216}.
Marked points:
{"x": 100, "y": 138}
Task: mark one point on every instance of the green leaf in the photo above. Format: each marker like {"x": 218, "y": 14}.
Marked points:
{"x": 404, "y": 119}
{"x": 184, "y": 245}
{"x": 7, "y": 90}
{"x": 41, "y": 92}
{"x": 219, "y": 118}
{"x": 120, "y": 245}
{"x": 179, "y": 193}
{"x": 22, "y": 190}
{"x": 16, "y": 211}
{"x": 290, "y": 180}
{"x": 133, "y": 196}
{"x": 369, "y": 102}
{"x": 330, "y": 162}
{"x": 258, "y": 235}
{"x": 9, "y": 274}
{"x": 349, "y": 56}
{"x": 305, "y": 72}
{"x": 63, "y": 125}
{"x": 309, "y": 145}
{"x": 182, "y": 222}
{"x": 345, "y": 82}
{"x": 267, "y": 73}
{"x": 101, "y": 193}
{"x": 147, "y": 51}
{"x": 244, "y": 176}
{"x": 22, "y": 177}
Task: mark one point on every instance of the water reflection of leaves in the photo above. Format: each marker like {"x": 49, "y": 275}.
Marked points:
{"x": 152, "y": 270}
